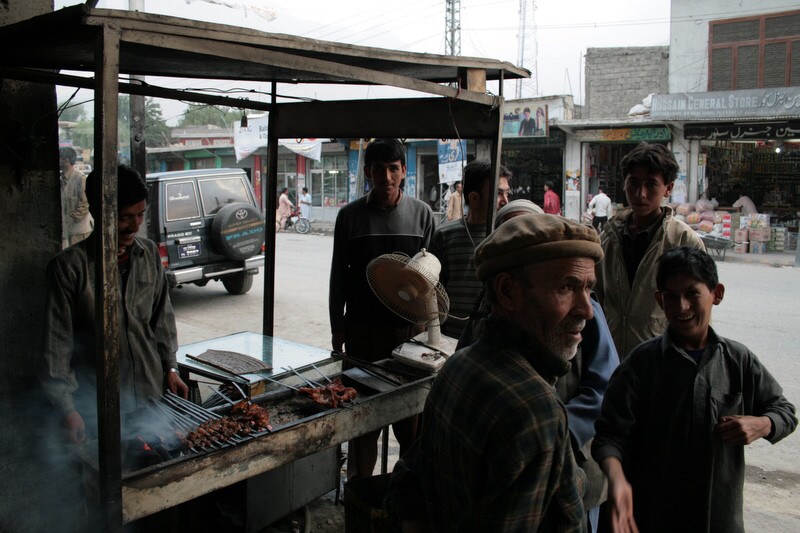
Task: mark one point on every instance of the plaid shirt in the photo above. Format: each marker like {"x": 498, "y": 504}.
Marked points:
{"x": 494, "y": 453}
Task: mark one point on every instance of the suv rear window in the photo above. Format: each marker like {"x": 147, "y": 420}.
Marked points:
{"x": 182, "y": 201}
{"x": 218, "y": 192}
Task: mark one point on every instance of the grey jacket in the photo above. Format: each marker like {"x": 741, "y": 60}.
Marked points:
{"x": 631, "y": 310}
{"x": 148, "y": 334}
{"x": 658, "y": 419}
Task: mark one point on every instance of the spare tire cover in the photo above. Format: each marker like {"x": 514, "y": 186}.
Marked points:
{"x": 237, "y": 231}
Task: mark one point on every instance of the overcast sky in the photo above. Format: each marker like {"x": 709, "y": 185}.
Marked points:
{"x": 489, "y": 28}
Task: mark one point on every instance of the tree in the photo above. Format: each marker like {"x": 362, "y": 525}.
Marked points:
{"x": 202, "y": 114}
{"x": 156, "y": 132}
{"x": 72, "y": 113}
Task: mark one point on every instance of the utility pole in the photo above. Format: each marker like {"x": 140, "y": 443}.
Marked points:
{"x": 452, "y": 43}
{"x": 527, "y": 50}
{"x": 138, "y": 114}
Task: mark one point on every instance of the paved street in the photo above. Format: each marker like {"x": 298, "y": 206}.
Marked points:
{"x": 760, "y": 309}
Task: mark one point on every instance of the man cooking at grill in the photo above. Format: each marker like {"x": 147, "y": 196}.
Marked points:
{"x": 494, "y": 449}
{"x": 148, "y": 336}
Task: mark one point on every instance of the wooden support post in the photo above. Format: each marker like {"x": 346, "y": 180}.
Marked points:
{"x": 107, "y": 277}
{"x": 271, "y": 203}
{"x": 473, "y": 79}
{"x": 495, "y": 154}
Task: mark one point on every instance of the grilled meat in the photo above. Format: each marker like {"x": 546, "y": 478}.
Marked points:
{"x": 331, "y": 395}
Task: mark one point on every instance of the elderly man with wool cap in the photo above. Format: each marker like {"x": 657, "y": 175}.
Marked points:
{"x": 494, "y": 452}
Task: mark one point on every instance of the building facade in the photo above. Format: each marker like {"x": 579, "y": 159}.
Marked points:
{"x": 731, "y": 114}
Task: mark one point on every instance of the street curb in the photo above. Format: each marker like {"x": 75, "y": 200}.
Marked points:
{"x": 773, "y": 260}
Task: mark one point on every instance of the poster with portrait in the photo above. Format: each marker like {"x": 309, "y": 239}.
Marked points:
{"x": 451, "y": 158}
{"x": 526, "y": 120}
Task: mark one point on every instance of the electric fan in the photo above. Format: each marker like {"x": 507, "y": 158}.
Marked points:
{"x": 410, "y": 288}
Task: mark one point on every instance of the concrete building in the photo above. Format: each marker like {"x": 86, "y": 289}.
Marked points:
{"x": 619, "y": 78}
{"x": 727, "y": 106}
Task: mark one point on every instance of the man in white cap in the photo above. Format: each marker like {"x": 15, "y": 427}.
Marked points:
{"x": 494, "y": 452}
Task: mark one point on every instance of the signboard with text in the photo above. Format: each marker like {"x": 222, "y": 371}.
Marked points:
{"x": 748, "y": 103}
{"x": 452, "y": 154}
{"x": 627, "y": 135}
{"x": 742, "y": 132}
{"x": 250, "y": 138}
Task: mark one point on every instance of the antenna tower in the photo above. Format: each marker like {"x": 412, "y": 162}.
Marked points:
{"x": 452, "y": 32}
{"x": 527, "y": 50}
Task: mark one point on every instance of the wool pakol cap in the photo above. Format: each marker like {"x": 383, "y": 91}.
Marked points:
{"x": 528, "y": 239}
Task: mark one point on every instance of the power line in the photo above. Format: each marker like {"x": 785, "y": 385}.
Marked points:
{"x": 385, "y": 16}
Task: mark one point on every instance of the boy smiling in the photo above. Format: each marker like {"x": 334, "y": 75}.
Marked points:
{"x": 679, "y": 410}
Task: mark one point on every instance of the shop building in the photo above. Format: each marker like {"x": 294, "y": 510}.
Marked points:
{"x": 211, "y": 146}
{"x": 730, "y": 115}
{"x": 741, "y": 131}
{"x": 619, "y": 85}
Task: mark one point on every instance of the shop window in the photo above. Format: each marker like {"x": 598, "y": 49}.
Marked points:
{"x": 754, "y": 52}
{"x": 530, "y": 169}
{"x": 747, "y": 67}
{"x": 721, "y": 78}
{"x": 328, "y": 181}
{"x": 795, "y": 64}
{"x": 774, "y": 64}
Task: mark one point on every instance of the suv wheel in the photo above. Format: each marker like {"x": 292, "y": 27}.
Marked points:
{"x": 238, "y": 231}
{"x": 238, "y": 283}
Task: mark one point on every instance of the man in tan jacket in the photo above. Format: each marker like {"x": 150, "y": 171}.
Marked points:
{"x": 455, "y": 204}
{"x": 76, "y": 222}
{"x": 633, "y": 240}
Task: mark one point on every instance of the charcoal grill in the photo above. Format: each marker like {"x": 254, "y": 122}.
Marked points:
{"x": 304, "y": 438}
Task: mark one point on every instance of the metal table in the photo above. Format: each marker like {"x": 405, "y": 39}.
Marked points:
{"x": 275, "y": 352}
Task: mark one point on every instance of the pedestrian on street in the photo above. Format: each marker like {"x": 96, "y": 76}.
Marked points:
{"x": 305, "y": 204}
{"x": 455, "y": 204}
{"x": 76, "y": 221}
{"x": 582, "y": 389}
{"x": 633, "y": 240}
{"x": 494, "y": 453}
{"x": 552, "y": 203}
{"x": 285, "y": 207}
{"x": 599, "y": 207}
{"x": 384, "y": 221}
{"x": 454, "y": 242}
{"x": 680, "y": 409}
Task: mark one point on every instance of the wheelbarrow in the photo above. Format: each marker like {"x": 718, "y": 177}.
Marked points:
{"x": 717, "y": 246}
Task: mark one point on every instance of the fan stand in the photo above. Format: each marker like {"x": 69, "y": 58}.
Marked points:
{"x": 430, "y": 349}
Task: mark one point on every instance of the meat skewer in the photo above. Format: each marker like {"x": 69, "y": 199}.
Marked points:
{"x": 329, "y": 380}
{"x": 301, "y": 376}
{"x": 331, "y": 395}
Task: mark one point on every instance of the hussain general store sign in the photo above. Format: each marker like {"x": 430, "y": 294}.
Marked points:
{"x": 751, "y": 103}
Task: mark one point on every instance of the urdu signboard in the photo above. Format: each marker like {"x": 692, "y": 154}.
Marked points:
{"x": 751, "y": 103}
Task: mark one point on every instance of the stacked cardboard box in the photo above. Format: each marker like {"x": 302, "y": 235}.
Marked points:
{"x": 777, "y": 242}
{"x": 791, "y": 241}
{"x": 759, "y": 234}
{"x": 740, "y": 243}
{"x": 758, "y": 220}
{"x": 726, "y": 226}
{"x": 759, "y": 237}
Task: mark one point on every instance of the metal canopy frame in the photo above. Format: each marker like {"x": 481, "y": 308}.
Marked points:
{"x": 111, "y": 43}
